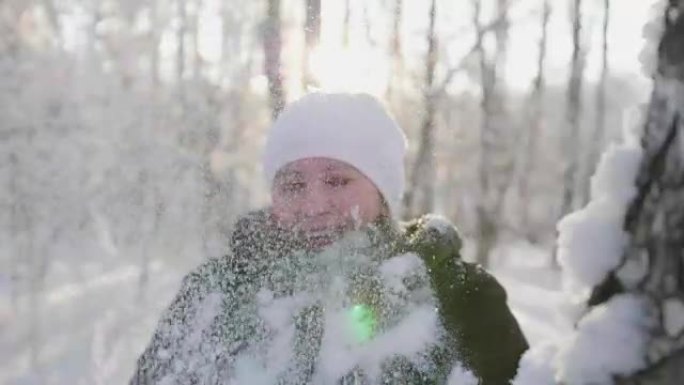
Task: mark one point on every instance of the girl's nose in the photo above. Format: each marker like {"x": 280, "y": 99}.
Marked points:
{"x": 317, "y": 202}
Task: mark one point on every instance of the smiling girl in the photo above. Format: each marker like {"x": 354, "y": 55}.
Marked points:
{"x": 335, "y": 164}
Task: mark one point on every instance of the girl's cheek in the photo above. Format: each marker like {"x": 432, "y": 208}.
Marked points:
{"x": 286, "y": 208}
{"x": 347, "y": 201}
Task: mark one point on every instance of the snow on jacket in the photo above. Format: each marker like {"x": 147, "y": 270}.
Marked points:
{"x": 216, "y": 323}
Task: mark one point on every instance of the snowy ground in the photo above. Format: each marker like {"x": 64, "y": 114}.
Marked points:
{"x": 534, "y": 291}
{"x": 90, "y": 332}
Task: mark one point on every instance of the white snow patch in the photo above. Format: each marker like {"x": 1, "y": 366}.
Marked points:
{"x": 249, "y": 370}
{"x": 278, "y": 313}
{"x": 356, "y": 216}
{"x": 591, "y": 241}
{"x": 520, "y": 254}
{"x": 652, "y": 32}
{"x": 610, "y": 340}
{"x": 337, "y": 357}
{"x": 438, "y": 222}
{"x": 673, "y": 316}
{"x": 461, "y": 376}
{"x": 634, "y": 270}
{"x": 537, "y": 366}
{"x": 325, "y": 284}
{"x": 208, "y": 310}
{"x": 395, "y": 269}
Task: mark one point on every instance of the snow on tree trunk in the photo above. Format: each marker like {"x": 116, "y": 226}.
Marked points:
{"x": 571, "y": 141}
{"x": 655, "y": 220}
{"x": 597, "y": 136}
{"x": 622, "y": 253}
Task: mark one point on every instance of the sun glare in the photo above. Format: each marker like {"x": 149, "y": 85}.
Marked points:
{"x": 351, "y": 69}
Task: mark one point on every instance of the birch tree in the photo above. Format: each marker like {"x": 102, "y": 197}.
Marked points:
{"x": 396, "y": 73}
{"x": 597, "y": 137}
{"x": 528, "y": 150}
{"x": 346, "y": 23}
{"x": 421, "y": 193}
{"x": 571, "y": 142}
{"x": 655, "y": 218}
{"x": 312, "y": 35}
{"x": 495, "y": 163}
{"x": 272, "y": 64}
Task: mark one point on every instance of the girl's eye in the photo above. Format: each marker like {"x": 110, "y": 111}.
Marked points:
{"x": 337, "y": 181}
{"x": 292, "y": 187}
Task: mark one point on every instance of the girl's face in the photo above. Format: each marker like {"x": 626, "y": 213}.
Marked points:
{"x": 321, "y": 198}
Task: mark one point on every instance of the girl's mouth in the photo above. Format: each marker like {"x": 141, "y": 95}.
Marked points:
{"x": 319, "y": 239}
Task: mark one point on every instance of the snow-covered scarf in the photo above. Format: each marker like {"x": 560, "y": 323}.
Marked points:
{"x": 269, "y": 313}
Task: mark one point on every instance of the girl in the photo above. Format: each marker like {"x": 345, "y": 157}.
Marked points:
{"x": 325, "y": 285}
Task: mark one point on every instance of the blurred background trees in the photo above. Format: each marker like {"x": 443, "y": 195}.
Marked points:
{"x": 130, "y": 131}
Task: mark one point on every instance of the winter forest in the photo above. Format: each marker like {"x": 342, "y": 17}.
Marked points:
{"x": 547, "y": 131}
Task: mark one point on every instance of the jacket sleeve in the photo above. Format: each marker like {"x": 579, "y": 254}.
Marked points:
{"x": 158, "y": 359}
{"x": 472, "y": 306}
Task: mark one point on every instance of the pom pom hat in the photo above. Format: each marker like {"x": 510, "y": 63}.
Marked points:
{"x": 352, "y": 128}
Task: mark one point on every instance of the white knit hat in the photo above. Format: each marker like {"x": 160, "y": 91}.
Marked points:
{"x": 353, "y": 128}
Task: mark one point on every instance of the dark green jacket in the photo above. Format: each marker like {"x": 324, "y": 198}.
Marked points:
{"x": 481, "y": 331}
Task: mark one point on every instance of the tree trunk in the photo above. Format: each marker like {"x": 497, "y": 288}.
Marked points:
{"x": 596, "y": 143}
{"x": 346, "y": 23}
{"x": 312, "y": 35}
{"x": 53, "y": 17}
{"x": 485, "y": 222}
{"x": 396, "y": 72}
{"x": 28, "y": 264}
{"x": 494, "y": 172}
{"x": 272, "y": 48}
{"x": 528, "y": 150}
{"x": 36, "y": 273}
{"x": 420, "y": 196}
{"x": 655, "y": 218}
{"x": 16, "y": 214}
{"x": 501, "y": 34}
{"x": 90, "y": 54}
{"x": 197, "y": 62}
{"x": 571, "y": 142}
{"x": 154, "y": 44}
{"x": 180, "y": 37}
{"x": 367, "y": 24}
